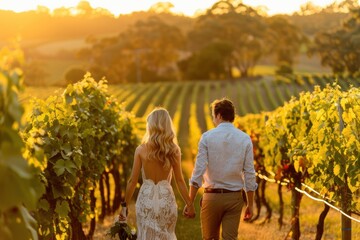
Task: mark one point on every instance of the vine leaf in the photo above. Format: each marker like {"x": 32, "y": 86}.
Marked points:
{"x": 62, "y": 208}
{"x": 62, "y": 165}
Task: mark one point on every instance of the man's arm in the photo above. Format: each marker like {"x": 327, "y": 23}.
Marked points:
{"x": 250, "y": 180}
{"x": 193, "y": 192}
{"x": 249, "y": 207}
{"x": 197, "y": 174}
{"x": 200, "y": 164}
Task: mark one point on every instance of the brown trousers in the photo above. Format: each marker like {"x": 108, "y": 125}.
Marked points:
{"x": 221, "y": 209}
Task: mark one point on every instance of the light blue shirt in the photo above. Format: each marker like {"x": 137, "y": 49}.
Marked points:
{"x": 225, "y": 160}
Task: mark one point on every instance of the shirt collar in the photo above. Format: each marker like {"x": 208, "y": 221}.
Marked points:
{"x": 226, "y": 124}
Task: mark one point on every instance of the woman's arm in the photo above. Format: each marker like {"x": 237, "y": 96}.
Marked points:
{"x": 180, "y": 182}
{"x": 133, "y": 180}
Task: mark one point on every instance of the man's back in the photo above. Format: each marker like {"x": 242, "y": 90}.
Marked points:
{"x": 227, "y": 149}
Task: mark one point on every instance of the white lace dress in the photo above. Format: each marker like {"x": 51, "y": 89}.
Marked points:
{"x": 156, "y": 210}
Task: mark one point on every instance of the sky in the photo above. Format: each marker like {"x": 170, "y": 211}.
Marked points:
{"x": 187, "y": 7}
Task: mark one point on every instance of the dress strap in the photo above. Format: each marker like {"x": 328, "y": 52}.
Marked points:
{"x": 170, "y": 175}
{"x": 143, "y": 173}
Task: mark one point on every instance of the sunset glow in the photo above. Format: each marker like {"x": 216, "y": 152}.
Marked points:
{"x": 187, "y": 7}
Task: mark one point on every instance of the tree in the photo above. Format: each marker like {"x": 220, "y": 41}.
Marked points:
{"x": 159, "y": 42}
{"x": 62, "y": 12}
{"x": 34, "y": 73}
{"x": 309, "y": 8}
{"x": 284, "y": 42}
{"x": 74, "y": 75}
{"x": 340, "y": 49}
{"x": 150, "y": 47}
{"x": 84, "y": 8}
{"x": 208, "y": 63}
{"x": 161, "y": 7}
{"x": 237, "y": 24}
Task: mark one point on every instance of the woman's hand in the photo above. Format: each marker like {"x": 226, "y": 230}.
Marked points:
{"x": 123, "y": 214}
{"x": 189, "y": 211}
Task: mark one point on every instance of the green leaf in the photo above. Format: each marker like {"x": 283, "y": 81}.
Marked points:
{"x": 62, "y": 165}
{"x": 58, "y": 191}
{"x": 18, "y": 223}
{"x": 13, "y": 159}
{"x": 66, "y": 147}
{"x": 62, "y": 208}
{"x": 29, "y": 221}
{"x": 14, "y": 189}
{"x": 59, "y": 167}
{"x": 44, "y": 204}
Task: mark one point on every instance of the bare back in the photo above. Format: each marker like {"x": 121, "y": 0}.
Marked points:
{"x": 153, "y": 170}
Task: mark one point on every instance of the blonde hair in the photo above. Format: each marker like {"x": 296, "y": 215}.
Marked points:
{"x": 160, "y": 137}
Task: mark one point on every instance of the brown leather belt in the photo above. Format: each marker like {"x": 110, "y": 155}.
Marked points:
{"x": 219, "y": 190}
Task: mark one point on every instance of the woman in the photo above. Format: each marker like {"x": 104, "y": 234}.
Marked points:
{"x": 157, "y": 157}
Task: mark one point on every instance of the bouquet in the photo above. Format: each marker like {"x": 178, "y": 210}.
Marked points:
{"x": 122, "y": 229}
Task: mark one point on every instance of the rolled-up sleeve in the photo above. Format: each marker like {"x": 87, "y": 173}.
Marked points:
{"x": 200, "y": 164}
{"x": 249, "y": 171}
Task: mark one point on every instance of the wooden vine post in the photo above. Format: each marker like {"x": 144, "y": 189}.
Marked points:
{"x": 345, "y": 191}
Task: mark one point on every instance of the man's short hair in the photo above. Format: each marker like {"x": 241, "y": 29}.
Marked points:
{"x": 225, "y": 108}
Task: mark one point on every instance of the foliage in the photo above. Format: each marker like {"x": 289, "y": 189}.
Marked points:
{"x": 284, "y": 41}
{"x": 254, "y": 126}
{"x": 284, "y": 68}
{"x": 19, "y": 187}
{"x": 73, "y": 75}
{"x": 142, "y": 53}
{"x": 79, "y": 135}
{"x": 304, "y": 136}
{"x": 122, "y": 230}
{"x": 313, "y": 139}
{"x": 208, "y": 63}
{"x": 340, "y": 49}
{"x": 332, "y": 143}
{"x": 236, "y": 24}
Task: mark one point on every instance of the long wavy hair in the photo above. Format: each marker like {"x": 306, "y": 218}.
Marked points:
{"x": 160, "y": 137}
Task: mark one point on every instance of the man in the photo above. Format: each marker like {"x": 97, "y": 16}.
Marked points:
{"x": 224, "y": 167}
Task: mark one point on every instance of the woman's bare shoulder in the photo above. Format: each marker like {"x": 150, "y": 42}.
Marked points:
{"x": 178, "y": 150}
{"x": 141, "y": 150}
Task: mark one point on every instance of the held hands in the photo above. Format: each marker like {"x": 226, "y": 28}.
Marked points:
{"x": 189, "y": 211}
{"x": 248, "y": 213}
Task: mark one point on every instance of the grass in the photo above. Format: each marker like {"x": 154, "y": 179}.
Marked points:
{"x": 309, "y": 214}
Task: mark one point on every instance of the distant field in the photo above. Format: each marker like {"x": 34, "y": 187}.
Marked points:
{"x": 52, "y": 48}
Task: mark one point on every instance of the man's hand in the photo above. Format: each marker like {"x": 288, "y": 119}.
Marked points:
{"x": 189, "y": 211}
{"x": 248, "y": 213}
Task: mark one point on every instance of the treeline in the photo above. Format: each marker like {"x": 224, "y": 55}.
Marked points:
{"x": 229, "y": 40}
{"x": 228, "y": 36}
{"x": 41, "y": 26}
{"x": 62, "y": 23}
